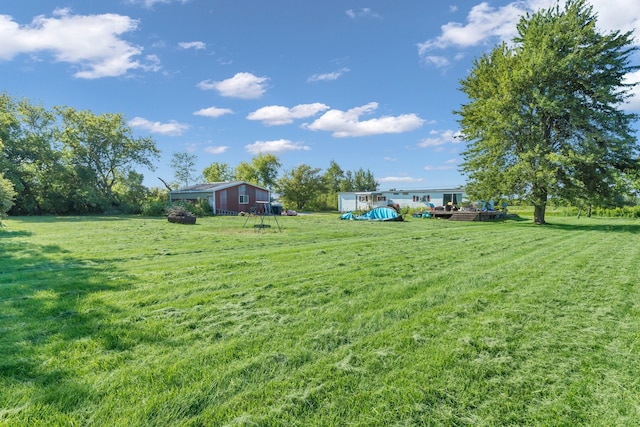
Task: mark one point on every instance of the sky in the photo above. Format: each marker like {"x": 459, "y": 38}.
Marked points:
{"x": 370, "y": 84}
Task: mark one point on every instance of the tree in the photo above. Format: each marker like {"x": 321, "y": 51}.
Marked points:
{"x": 102, "y": 150}
{"x": 300, "y": 186}
{"x": 263, "y": 170}
{"x": 543, "y": 118}
{"x": 7, "y": 193}
{"x": 218, "y": 172}
{"x": 364, "y": 181}
{"x": 30, "y": 159}
{"x": 332, "y": 180}
{"x": 333, "y": 177}
{"x": 183, "y": 165}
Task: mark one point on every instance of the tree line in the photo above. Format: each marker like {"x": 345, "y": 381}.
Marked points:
{"x": 302, "y": 187}
{"x": 64, "y": 161}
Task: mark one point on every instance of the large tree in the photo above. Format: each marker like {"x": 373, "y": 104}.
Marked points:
{"x": 544, "y": 117}
{"x": 301, "y": 186}
{"x": 364, "y": 181}
{"x": 183, "y": 165}
{"x": 31, "y": 159}
{"x": 218, "y": 172}
{"x": 263, "y": 170}
{"x": 102, "y": 150}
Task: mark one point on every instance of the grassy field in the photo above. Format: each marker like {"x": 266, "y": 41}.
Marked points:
{"x": 135, "y": 321}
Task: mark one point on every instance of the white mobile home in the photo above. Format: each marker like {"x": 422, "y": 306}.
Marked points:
{"x": 416, "y": 199}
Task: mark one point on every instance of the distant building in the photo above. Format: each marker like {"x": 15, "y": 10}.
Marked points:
{"x": 224, "y": 198}
{"x": 416, "y": 199}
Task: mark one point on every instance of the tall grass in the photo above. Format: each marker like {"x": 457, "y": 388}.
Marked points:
{"x": 137, "y": 321}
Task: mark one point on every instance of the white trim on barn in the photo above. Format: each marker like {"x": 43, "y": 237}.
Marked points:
{"x": 415, "y": 199}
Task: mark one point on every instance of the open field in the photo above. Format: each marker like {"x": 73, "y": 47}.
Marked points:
{"x": 139, "y": 322}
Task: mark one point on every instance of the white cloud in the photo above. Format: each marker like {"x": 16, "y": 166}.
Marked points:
{"x": 390, "y": 159}
{"x": 213, "y": 112}
{"x": 447, "y": 165}
{"x": 347, "y": 123}
{"x": 277, "y": 146}
{"x": 438, "y": 61}
{"x": 173, "y": 128}
{"x": 279, "y": 115}
{"x": 328, "y": 76}
{"x": 364, "y": 12}
{"x": 634, "y": 101}
{"x": 487, "y": 24}
{"x": 241, "y": 85}
{"x": 441, "y": 138}
{"x": 483, "y": 22}
{"x": 216, "y": 150}
{"x": 90, "y": 42}
{"x": 399, "y": 179}
{"x": 192, "y": 45}
{"x": 150, "y": 3}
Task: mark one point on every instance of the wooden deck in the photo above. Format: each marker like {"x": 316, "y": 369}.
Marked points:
{"x": 468, "y": 215}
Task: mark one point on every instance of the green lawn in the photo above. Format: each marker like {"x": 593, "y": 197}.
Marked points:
{"x": 136, "y": 321}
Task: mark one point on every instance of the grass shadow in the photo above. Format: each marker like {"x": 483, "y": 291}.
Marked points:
{"x": 49, "y": 303}
{"x": 607, "y": 227}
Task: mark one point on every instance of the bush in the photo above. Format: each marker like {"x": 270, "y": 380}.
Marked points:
{"x": 154, "y": 208}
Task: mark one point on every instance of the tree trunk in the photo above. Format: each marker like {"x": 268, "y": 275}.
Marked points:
{"x": 538, "y": 213}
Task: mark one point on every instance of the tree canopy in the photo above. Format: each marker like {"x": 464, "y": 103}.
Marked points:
{"x": 183, "y": 165}
{"x": 545, "y": 115}
{"x": 263, "y": 170}
{"x": 301, "y": 186}
{"x": 65, "y": 161}
{"x": 218, "y": 172}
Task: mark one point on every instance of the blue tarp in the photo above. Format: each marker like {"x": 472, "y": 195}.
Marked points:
{"x": 377, "y": 214}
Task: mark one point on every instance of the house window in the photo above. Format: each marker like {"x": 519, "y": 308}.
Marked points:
{"x": 244, "y": 199}
{"x": 363, "y": 198}
{"x": 416, "y": 198}
{"x": 382, "y": 198}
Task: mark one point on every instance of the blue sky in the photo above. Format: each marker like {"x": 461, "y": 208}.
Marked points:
{"x": 369, "y": 84}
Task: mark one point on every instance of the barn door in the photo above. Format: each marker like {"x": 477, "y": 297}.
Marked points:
{"x": 223, "y": 199}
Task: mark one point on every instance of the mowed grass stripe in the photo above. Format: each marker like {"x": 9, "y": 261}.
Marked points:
{"x": 327, "y": 323}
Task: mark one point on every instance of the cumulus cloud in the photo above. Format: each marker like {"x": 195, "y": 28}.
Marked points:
{"x": 173, "y": 128}
{"x": 241, "y": 85}
{"x": 348, "y": 123}
{"x": 328, "y": 76}
{"x": 483, "y": 22}
{"x": 213, "y": 112}
{"x": 440, "y": 138}
{"x": 216, "y": 150}
{"x": 192, "y": 45}
{"x": 92, "y": 43}
{"x": 487, "y": 24}
{"x": 274, "y": 147}
{"x": 278, "y": 115}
